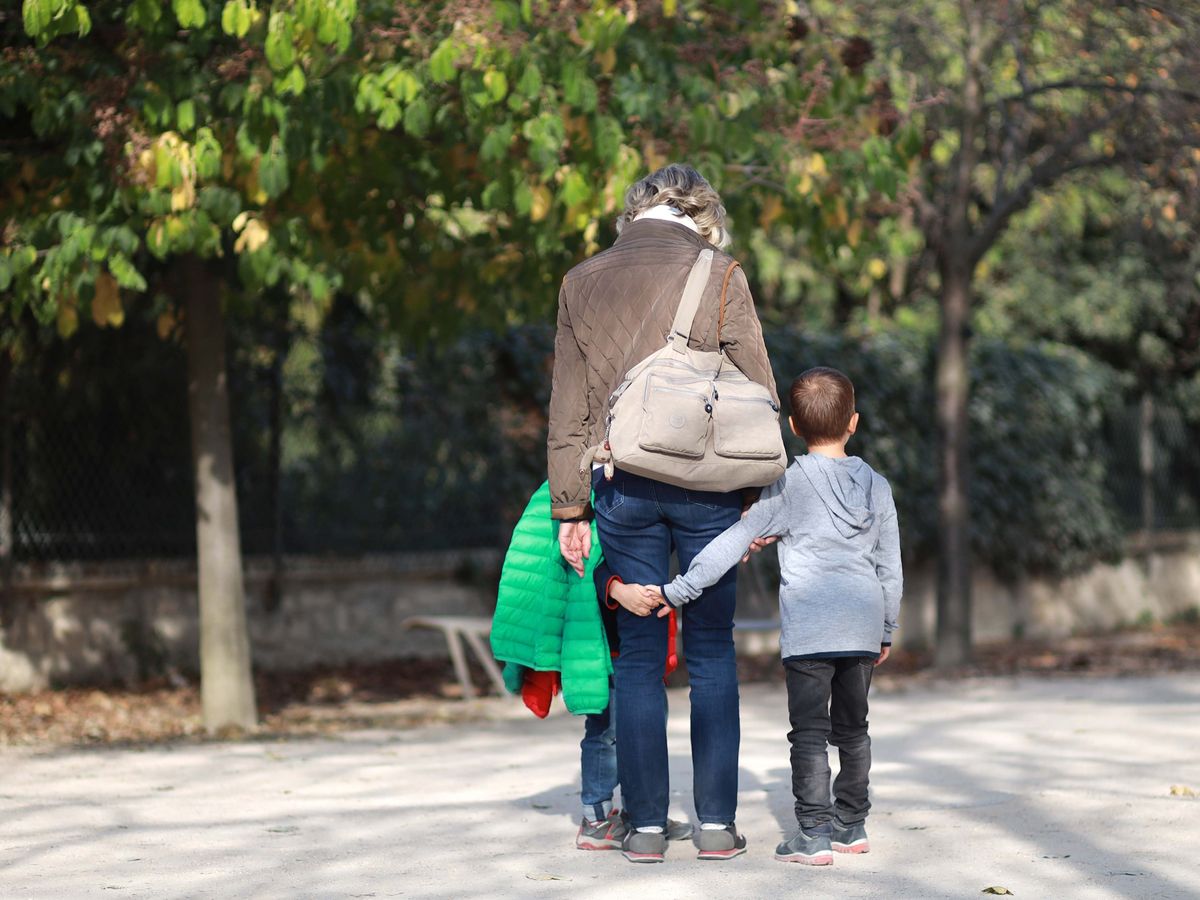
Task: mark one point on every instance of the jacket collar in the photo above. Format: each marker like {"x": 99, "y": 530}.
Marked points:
{"x": 660, "y": 229}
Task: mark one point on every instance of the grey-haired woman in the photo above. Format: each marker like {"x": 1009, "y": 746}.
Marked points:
{"x": 614, "y": 310}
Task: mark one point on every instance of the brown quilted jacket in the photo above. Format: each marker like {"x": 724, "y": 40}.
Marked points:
{"x": 614, "y": 310}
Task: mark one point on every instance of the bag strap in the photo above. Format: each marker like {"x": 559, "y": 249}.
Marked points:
{"x": 689, "y": 305}
{"x": 724, "y": 289}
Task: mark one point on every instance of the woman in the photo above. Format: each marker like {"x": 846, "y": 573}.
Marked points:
{"x": 614, "y": 310}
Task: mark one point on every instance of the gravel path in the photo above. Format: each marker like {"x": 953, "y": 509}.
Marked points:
{"x": 1055, "y": 788}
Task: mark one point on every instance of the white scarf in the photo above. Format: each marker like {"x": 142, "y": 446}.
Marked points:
{"x": 669, "y": 214}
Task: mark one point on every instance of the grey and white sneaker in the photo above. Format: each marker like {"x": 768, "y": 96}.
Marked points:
{"x": 645, "y": 846}
{"x": 723, "y": 844}
{"x": 807, "y": 849}
{"x": 607, "y": 834}
{"x": 679, "y": 831}
{"x": 850, "y": 838}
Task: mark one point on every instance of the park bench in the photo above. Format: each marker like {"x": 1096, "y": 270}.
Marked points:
{"x": 456, "y": 629}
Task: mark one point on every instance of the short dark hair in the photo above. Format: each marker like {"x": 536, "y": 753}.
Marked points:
{"x": 822, "y": 404}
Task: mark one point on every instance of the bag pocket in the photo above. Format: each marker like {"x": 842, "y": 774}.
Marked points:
{"x": 746, "y": 423}
{"x": 676, "y": 416}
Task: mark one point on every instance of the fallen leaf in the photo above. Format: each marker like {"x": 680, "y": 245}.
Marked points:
{"x": 996, "y": 889}
{"x": 540, "y": 805}
{"x": 1182, "y": 790}
{"x": 545, "y": 876}
{"x": 283, "y": 829}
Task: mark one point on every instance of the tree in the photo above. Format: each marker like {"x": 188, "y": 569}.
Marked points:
{"x": 1015, "y": 97}
{"x": 144, "y": 143}
{"x": 439, "y": 163}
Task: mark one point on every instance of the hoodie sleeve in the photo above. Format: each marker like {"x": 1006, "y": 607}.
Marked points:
{"x": 766, "y": 518}
{"x": 888, "y": 566}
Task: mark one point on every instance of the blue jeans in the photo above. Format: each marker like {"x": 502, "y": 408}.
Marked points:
{"x": 598, "y": 762}
{"x": 639, "y": 520}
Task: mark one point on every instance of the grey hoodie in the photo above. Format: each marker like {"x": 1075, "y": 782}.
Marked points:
{"x": 839, "y": 556}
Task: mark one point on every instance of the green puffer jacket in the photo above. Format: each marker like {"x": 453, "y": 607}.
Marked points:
{"x": 547, "y": 617}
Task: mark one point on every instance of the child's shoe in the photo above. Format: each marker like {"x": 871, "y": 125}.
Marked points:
{"x": 607, "y": 834}
{"x": 810, "y": 849}
{"x": 850, "y": 838}
{"x": 723, "y": 844}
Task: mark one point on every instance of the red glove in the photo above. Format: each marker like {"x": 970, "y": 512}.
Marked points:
{"x": 672, "y": 653}
{"x": 538, "y": 690}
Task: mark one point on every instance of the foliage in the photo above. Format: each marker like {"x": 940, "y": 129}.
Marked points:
{"x": 442, "y": 160}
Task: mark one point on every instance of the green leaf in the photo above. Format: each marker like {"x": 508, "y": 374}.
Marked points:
{"x": 496, "y": 83}
{"x": 530, "y": 83}
{"x": 185, "y": 115}
{"x": 207, "y": 153}
{"x": 442, "y": 61}
{"x": 123, "y": 270}
{"x": 273, "y": 169}
{"x": 36, "y": 15}
{"x": 281, "y": 53}
{"x": 189, "y": 13}
{"x": 495, "y": 145}
{"x": 6, "y": 272}
{"x": 417, "y": 118}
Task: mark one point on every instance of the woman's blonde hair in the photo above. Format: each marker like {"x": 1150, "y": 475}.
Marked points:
{"x": 684, "y": 189}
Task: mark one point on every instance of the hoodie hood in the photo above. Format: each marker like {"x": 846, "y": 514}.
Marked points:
{"x": 844, "y": 486}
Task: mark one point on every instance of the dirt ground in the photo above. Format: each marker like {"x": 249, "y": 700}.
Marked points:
{"x": 407, "y": 693}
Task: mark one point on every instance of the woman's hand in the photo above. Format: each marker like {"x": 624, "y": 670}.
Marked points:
{"x": 575, "y": 543}
{"x": 639, "y": 599}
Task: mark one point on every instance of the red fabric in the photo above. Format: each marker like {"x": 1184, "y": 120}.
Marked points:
{"x": 538, "y": 690}
{"x": 672, "y": 654}
{"x": 608, "y": 600}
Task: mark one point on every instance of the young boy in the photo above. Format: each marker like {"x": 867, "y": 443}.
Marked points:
{"x": 839, "y": 599}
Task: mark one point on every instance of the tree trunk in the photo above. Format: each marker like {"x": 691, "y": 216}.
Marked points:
{"x": 954, "y": 543}
{"x": 226, "y": 685}
{"x": 1146, "y": 460}
{"x": 7, "y": 517}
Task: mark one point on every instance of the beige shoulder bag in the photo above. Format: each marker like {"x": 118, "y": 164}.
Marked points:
{"x": 690, "y": 417}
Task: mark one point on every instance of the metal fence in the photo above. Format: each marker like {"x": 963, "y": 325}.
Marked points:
{"x": 345, "y": 445}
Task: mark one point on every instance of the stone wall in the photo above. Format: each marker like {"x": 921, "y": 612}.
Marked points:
{"x": 113, "y": 620}
{"x": 104, "y": 621}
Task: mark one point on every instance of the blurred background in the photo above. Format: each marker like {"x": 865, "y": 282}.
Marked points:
{"x": 985, "y": 213}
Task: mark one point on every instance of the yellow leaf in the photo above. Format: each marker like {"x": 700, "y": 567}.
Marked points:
{"x": 106, "y": 304}
{"x": 804, "y": 188}
{"x": 840, "y": 217}
{"x": 1182, "y": 790}
{"x": 253, "y": 236}
{"x": 166, "y": 325}
{"x": 240, "y": 220}
{"x": 669, "y": 7}
{"x": 607, "y": 60}
{"x": 854, "y": 232}
{"x": 877, "y": 268}
{"x": 772, "y": 209}
{"x": 816, "y": 165}
{"x": 996, "y": 889}
{"x": 68, "y": 318}
{"x": 540, "y": 206}
{"x": 183, "y": 197}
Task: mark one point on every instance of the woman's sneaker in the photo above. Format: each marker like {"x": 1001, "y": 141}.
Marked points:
{"x": 723, "y": 844}
{"x": 850, "y": 838}
{"x": 645, "y": 846}
{"x": 607, "y": 834}
{"x": 807, "y": 849}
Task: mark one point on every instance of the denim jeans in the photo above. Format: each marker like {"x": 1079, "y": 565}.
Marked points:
{"x": 639, "y": 520}
{"x": 598, "y": 762}
{"x": 827, "y": 704}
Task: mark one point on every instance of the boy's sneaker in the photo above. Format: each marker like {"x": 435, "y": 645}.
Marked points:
{"x": 850, "y": 838}
{"x": 678, "y": 831}
{"x": 606, "y": 834}
{"x": 723, "y": 844}
{"x": 644, "y": 846}
{"x": 807, "y": 849}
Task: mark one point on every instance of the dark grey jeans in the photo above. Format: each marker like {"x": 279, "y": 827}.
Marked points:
{"x": 827, "y": 704}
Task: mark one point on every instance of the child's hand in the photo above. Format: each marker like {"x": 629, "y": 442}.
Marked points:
{"x": 639, "y": 599}
{"x": 884, "y": 653}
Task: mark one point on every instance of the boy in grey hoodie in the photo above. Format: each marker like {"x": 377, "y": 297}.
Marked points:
{"x": 839, "y": 599}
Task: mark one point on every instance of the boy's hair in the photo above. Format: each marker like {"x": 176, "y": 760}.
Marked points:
{"x": 822, "y": 404}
